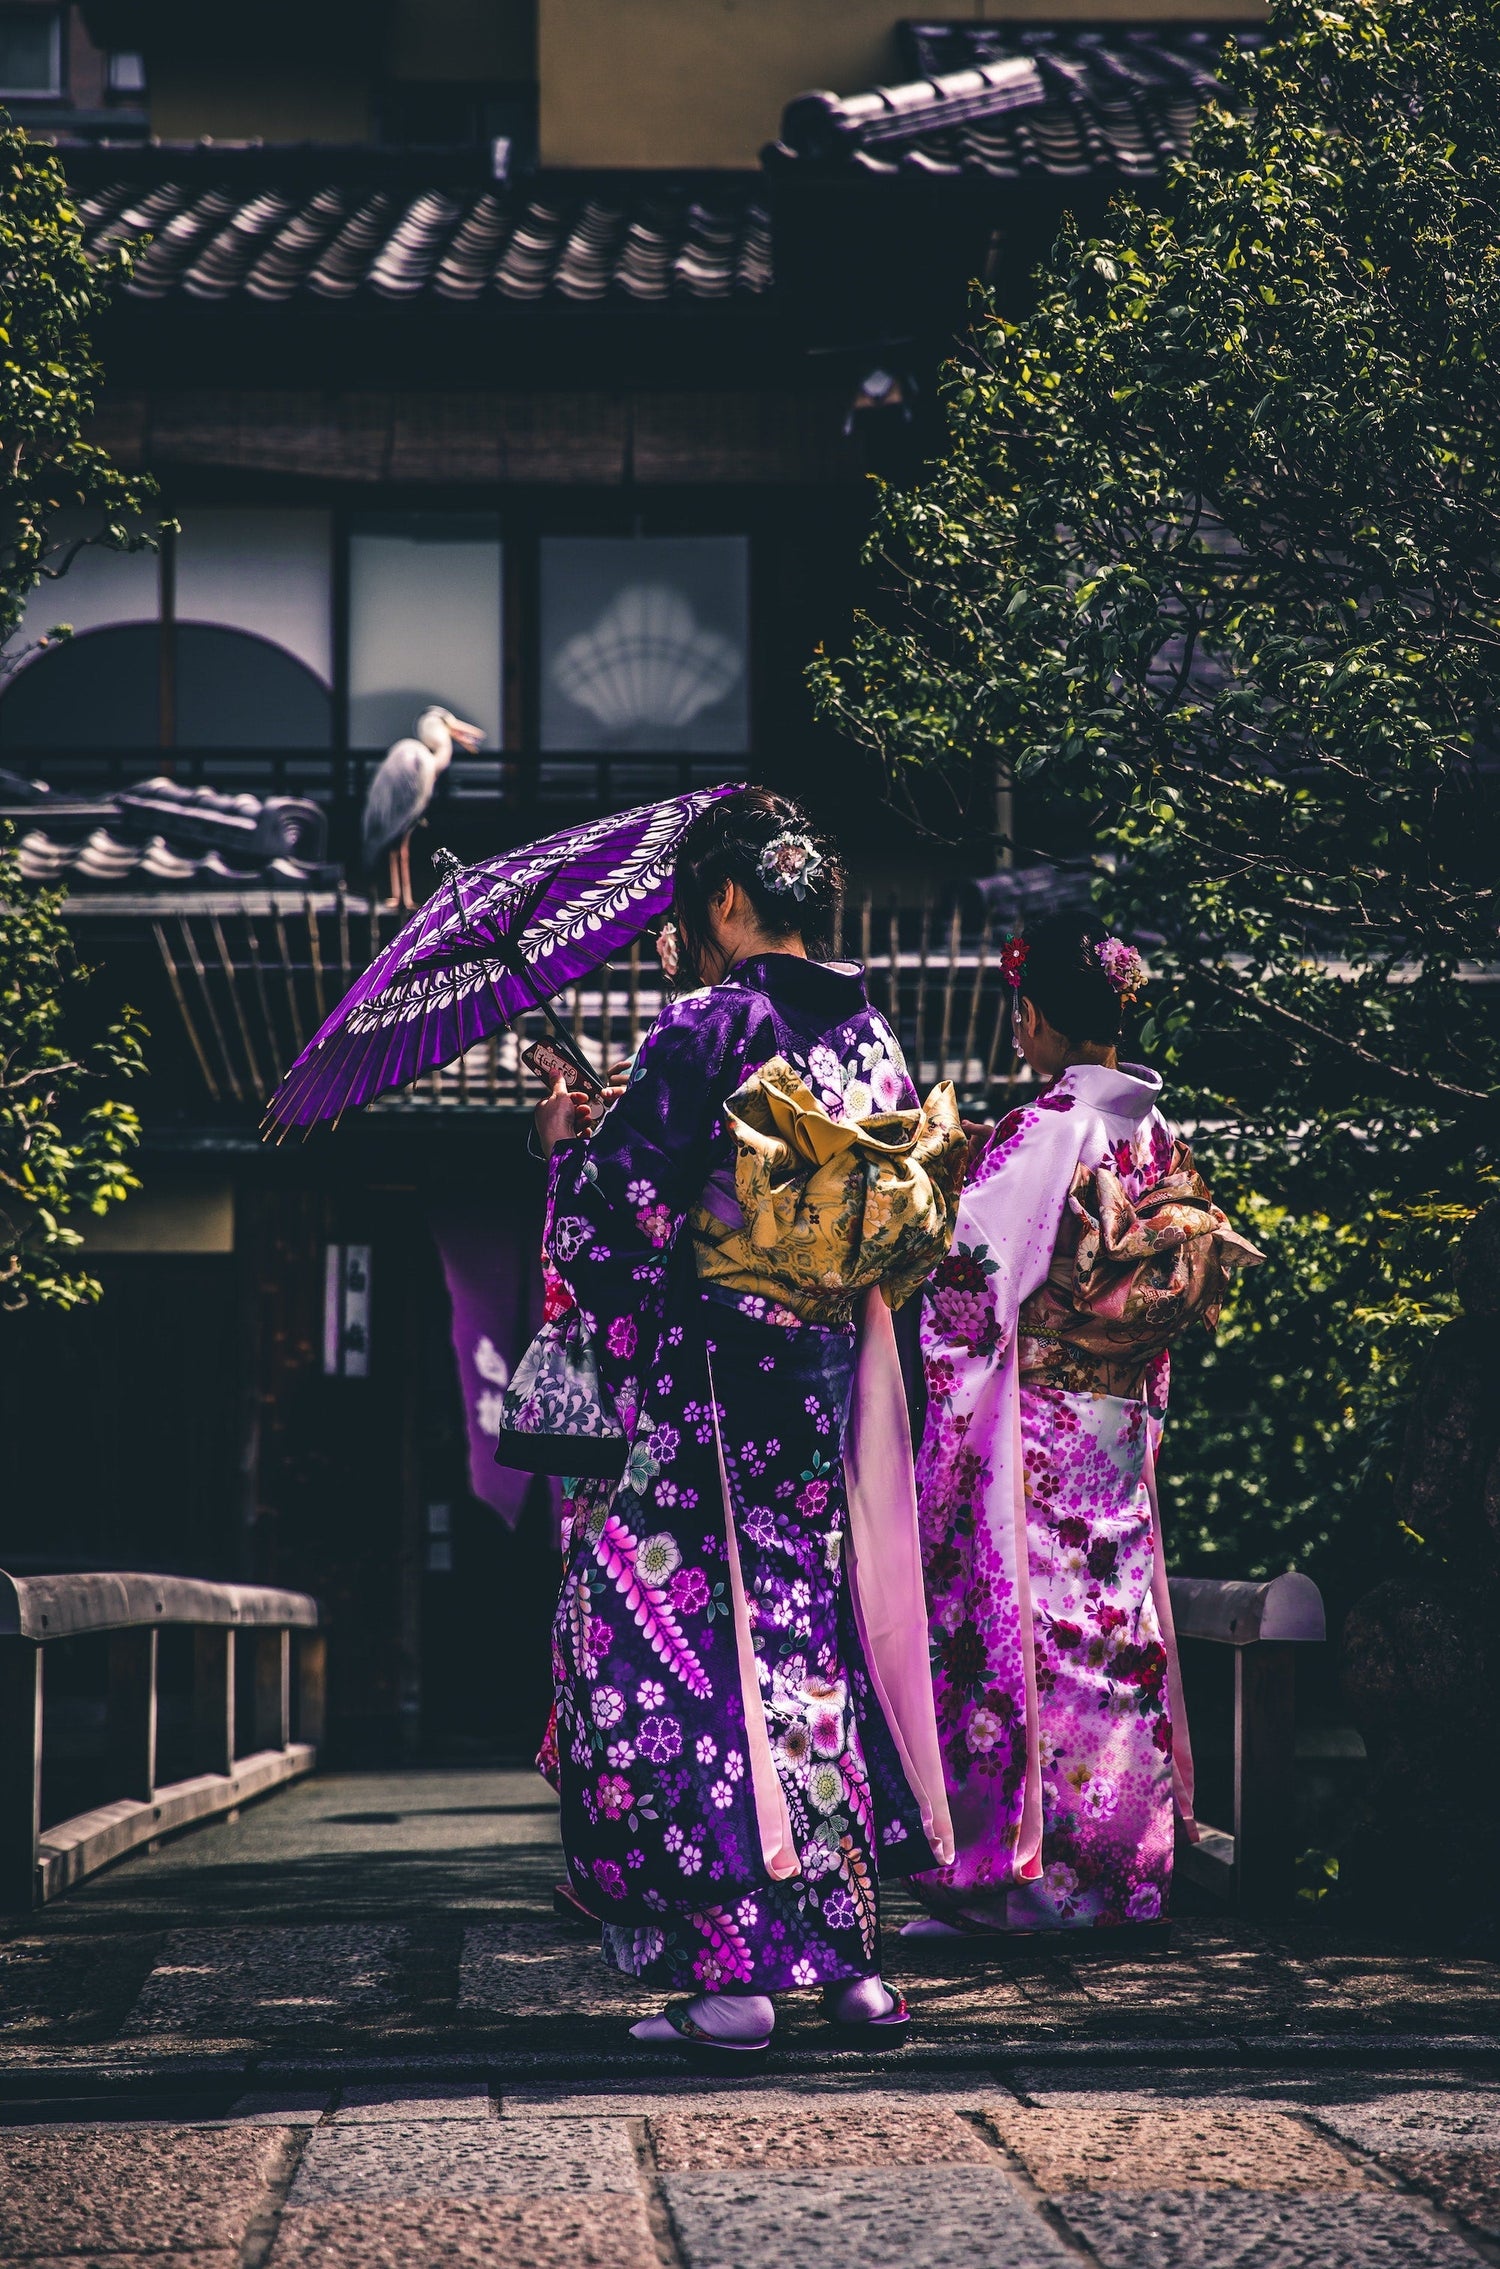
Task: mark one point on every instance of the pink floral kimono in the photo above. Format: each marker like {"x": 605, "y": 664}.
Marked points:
{"x": 1059, "y": 1703}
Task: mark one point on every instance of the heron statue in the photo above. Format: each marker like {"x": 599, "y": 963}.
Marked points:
{"x": 403, "y": 788}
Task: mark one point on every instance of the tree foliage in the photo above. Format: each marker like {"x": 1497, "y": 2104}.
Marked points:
{"x": 1215, "y": 550}
{"x": 60, "y": 1153}
{"x": 64, "y": 1145}
{"x": 50, "y": 293}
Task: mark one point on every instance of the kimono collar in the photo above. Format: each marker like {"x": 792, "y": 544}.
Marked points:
{"x": 833, "y": 990}
{"x": 1131, "y": 1092}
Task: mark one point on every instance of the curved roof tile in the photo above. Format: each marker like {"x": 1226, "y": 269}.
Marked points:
{"x": 999, "y": 100}
{"x": 271, "y": 243}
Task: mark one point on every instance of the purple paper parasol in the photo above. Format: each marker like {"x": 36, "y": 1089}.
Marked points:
{"x": 493, "y": 940}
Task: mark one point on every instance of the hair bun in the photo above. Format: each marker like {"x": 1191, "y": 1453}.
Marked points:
{"x": 766, "y": 844}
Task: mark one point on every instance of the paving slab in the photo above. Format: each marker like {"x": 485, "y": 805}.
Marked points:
{"x": 806, "y": 2133}
{"x": 218, "y": 2257}
{"x": 1214, "y": 2229}
{"x": 278, "y": 2107}
{"x": 1396, "y": 2117}
{"x": 451, "y": 2158}
{"x": 637, "y": 2099}
{"x": 370, "y": 2105}
{"x": 258, "y": 1980}
{"x": 116, "y": 2189}
{"x": 1466, "y": 2183}
{"x": 60, "y": 1989}
{"x": 1140, "y": 2142}
{"x": 527, "y": 1968}
{"x": 1299, "y": 2083}
{"x": 950, "y": 2217}
{"x": 490, "y": 2233}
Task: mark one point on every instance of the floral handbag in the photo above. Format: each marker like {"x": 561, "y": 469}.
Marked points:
{"x": 557, "y": 1415}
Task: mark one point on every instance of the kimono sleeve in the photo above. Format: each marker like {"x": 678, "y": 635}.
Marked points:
{"x": 1006, "y": 1229}
{"x": 618, "y": 1200}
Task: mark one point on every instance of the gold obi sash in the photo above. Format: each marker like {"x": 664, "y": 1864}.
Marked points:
{"x": 821, "y": 1209}
{"x": 1127, "y": 1279}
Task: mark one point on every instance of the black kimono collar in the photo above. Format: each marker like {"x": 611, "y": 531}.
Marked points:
{"x": 832, "y": 990}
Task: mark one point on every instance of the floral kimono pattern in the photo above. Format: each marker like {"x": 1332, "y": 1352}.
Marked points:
{"x": 1054, "y": 1668}
{"x": 730, "y": 1785}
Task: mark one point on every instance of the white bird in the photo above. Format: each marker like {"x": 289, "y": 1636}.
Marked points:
{"x": 403, "y": 788}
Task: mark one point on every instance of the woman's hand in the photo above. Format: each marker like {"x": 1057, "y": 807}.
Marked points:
{"x": 616, "y": 1080}
{"x": 560, "y": 1116}
{"x": 977, "y": 1133}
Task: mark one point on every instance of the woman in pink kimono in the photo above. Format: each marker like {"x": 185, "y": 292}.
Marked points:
{"x": 1085, "y": 1242}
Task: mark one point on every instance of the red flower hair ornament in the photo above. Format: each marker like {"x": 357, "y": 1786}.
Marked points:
{"x": 1013, "y": 961}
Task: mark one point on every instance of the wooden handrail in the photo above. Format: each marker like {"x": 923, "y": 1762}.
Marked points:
{"x": 1236, "y": 1614}
{"x": 129, "y": 1612}
{"x": 1252, "y": 1863}
{"x": 63, "y": 1607}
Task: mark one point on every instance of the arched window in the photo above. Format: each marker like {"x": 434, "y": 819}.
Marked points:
{"x": 103, "y": 689}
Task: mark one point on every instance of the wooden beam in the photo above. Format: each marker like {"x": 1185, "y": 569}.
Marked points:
{"x": 20, "y": 1772}
{"x": 77, "y": 1847}
{"x": 1265, "y": 1825}
{"x": 59, "y": 1607}
{"x": 312, "y": 1687}
{"x": 1289, "y": 1607}
{"x": 782, "y": 437}
{"x": 594, "y": 438}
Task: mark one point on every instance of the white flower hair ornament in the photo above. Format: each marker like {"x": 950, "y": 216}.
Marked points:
{"x": 1123, "y": 966}
{"x": 788, "y": 863}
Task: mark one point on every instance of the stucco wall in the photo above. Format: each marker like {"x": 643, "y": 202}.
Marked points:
{"x": 463, "y": 40}
{"x": 190, "y": 99}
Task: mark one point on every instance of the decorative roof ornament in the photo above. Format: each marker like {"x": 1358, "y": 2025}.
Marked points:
{"x": 788, "y": 863}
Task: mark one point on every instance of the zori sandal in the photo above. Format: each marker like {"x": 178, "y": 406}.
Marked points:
{"x": 676, "y": 2028}
{"x": 873, "y": 2034}
{"x": 569, "y": 1908}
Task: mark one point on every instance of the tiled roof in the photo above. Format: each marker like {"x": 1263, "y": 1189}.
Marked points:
{"x": 217, "y": 240}
{"x": 159, "y": 832}
{"x": 1004, "y": 101}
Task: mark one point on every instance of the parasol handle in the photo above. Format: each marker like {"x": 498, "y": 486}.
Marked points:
{"x": 449, "y": 866}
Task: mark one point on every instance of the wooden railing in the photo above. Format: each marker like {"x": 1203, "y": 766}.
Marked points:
{"x": 129, "y": 1613}
{"x": 1264, "y": 1624}
{"x": 254, "y": 976}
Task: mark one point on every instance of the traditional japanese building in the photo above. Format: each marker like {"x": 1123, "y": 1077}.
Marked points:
{"x": 525, "y": 357}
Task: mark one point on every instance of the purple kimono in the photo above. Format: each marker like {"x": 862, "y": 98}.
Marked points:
{"x": 709, "y": 1666}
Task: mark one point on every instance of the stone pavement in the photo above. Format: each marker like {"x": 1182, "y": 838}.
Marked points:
{"x": 1306, "y": 2170}
{"x": 346, "y": 2029}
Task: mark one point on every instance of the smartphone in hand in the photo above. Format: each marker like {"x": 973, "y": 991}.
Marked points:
{"x": 550, "y": 1063}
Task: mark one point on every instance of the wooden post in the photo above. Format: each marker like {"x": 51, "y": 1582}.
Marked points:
{"x": 412, "y": 1514}
{"x": 20, "y": 1771}
{"x": 273, "y": 1689}
{"x": 1265, "y": 1829}
{"x": 132, "y": 1715}
{"x": 213, "y": 1699}
{"x": 312, "y": 1687}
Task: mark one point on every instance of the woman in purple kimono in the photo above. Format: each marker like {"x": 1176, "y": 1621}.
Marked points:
{"x": 745, "y": 1735}
{"x": 1085, "y": 1243}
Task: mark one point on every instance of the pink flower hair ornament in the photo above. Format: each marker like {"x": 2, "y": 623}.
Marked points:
{"x": 1123, "y": 966}
{"x": 788, "y": 863}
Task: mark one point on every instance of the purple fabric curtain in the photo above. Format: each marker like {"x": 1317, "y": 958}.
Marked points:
{"x": 491, "y": 1259}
